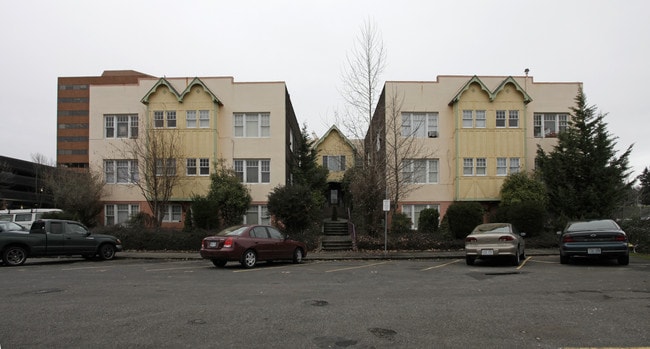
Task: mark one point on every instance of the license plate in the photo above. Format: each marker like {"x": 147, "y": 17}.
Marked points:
{"x": 487, "y": 252}
{"x": 593, "y": 251}
{"x": 213, "y": 244}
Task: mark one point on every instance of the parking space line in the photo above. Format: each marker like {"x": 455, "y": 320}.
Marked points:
{"x": 357, "y": 267}
{"x": 441, "y": 265}
{"x": 523, "y": 263}
{"x": 179, "y": 268}
{"x": 82, "y": 268}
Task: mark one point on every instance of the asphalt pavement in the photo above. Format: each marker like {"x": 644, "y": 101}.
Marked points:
{"x": 333, "y": 255}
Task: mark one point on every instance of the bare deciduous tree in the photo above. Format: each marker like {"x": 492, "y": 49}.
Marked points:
{"x": 157, "y": 154}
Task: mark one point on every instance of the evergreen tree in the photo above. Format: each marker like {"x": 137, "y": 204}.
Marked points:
{"x": 644, "y": 192}
{"x": 305, "y": 169}
{"x": 583, "y": 176}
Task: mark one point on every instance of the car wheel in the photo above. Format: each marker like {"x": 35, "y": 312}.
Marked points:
{"x": 470, "y": 260}
{"x": 564, "y": 259}
{"x": 625, "y": 260}
{"x": 297, "y": 255}
{"x": 219, "y": 263}
{"x": 249, "y": 259}
{"x": 14, "y": 256}
{"x": 106, "y": 252}
{"x": 516, "y": 259}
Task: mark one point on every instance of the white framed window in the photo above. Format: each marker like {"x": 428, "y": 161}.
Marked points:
{"x": 119, "y": 214}
{"x": 481, "y": 166}
{"x": 253, "y": 171}
{"x": 165, "y": 167}
{"x": 514, "y": 165}
{"x": 190, "y": 167}
{"x": 501, "y": 119}
{"x": 502, "y": 166}
{"x": 171, "y": 118}
{"x": 190, "y": 118}
{"x": 513, "y": 118}
{"x": 257, "y": 214}
{"x": 121, "y": 126}
{"x": 413, "y": 212}
{"x": 468, "y": 119}
{"x": 120, "y": 171}
{"x": 468, "y": 167}
{"x": 420, "y": 125}
{"x": 204, "y": 118}
{"x": 203, "y": 168}
{"x": 334, "y": 163}
{"x": 158, "y": 119}
{"x": 252, "y": 125}
{"x": 480, "y": 119}
{"x": 548, "y": 125}
{"x": 420, "y": 171}
{"x": 173, "y": 213}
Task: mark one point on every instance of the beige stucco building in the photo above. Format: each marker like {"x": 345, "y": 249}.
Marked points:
{"x": 470, "y": 132}
{"x": 249, "y": 126}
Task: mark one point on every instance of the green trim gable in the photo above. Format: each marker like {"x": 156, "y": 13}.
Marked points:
{"x": 511, "y": 80}
{"x": 491, "y": 94}
{"x": 335, "y": 129}
{"x": 465, "y": 87}
{"x": 161, "y": 82}
{"x": 198, "y": 81}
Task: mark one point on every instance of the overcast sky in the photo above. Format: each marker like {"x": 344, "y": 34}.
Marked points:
{"x": 604, "y": 44}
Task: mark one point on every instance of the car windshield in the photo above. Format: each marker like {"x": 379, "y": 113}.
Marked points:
{"x": 11, "y": 226}
{"x": 592, "y": 225}
{"x": 233, "y": 231}
{"x": 491, "y": 228}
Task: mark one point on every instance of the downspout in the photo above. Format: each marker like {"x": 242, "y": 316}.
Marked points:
{"x": 457, "y": 145}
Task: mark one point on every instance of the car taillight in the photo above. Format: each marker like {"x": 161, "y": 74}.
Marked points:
{"x": 506, "y": 238}
{"x": 568, "y": 238}
{"x": 620, "y": 237}
{"x": 470, "y": 239}
{"x": 228, "y": 243}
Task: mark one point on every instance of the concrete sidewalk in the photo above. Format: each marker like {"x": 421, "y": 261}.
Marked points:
{"x": 333, "y": 255}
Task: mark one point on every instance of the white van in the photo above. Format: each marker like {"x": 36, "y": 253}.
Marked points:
{"x": 25, "y": 217}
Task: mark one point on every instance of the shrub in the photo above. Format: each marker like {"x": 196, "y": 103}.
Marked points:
{"x": 400, "y": 223}
{"x": 428, "y": 221}
{"x": 463, "y": 217}
{"x": 138, "y": 238}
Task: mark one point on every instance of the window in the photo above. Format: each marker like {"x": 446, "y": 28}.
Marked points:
{"x": 513, "y": 118}
{"x": 204, "y": 166}
{"x": 159, "y": 118}
{"x": 480, "y": 119}
{"x": 334, "y": 163}
{"x": 420, "y": 171}
{"x": 413, "y": 212}
{"x": 257, "y": 214}
{"x": 165, "y": 167}
{"x": 120, "y": 171}
{"x": 190, "y": 119}
{"x": 252, "y": 124}
{"x": 192, "y": 170}
{"x": 507, "y": 166}
{"x": 119, "y": 214}
{"x": 204, "y": 118}
{"x": 253, "y": 171}
{"x": 190, "y": 167}
{"x": 468, "y": 121}
{"x": 121, "y": 126}
{"x": 420, "y": 125}
{"x": 481, "y": 166}
{"x": 470, "y": 170}
{"x": 549, "y": 125}
{"x": 173, "y": 213}
{"x": 501, "y": 118}
{"x": 468, "y": 167}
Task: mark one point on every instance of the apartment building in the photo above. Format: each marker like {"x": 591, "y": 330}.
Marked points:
{"x": 73, "y": 105}
{"x": 249, "y": 126}
{"x": 469, "y": 133}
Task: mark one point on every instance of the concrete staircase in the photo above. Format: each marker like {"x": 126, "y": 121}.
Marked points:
{"x": 336, "y": 236}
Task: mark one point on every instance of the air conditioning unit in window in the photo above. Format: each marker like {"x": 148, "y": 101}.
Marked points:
{"x": 433, "y": 134}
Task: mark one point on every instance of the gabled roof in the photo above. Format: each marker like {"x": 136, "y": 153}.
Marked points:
{"x": 160, "y": 82}
{"x": 491, "y": 94}
{"x": 198, "y": 81}
{"x": 179, "y": 96}
{"x": 334, "y": 129}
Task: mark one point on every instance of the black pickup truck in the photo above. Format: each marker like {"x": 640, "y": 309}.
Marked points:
{"x": 55, "y": 237}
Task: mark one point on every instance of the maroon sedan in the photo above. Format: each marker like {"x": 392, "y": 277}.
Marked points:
{"x": 247, "y": 244}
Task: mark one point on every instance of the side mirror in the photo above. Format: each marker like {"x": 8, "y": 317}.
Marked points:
{"x": 522, "y": 234}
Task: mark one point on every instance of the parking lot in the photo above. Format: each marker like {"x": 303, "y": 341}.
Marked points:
{"x": 432, "y": 303}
